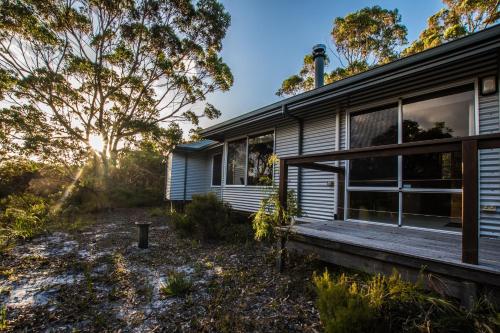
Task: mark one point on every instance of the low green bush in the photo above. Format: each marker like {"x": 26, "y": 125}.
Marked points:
{"x": 341, "y": 306}
{"x": 177, "y": 285}
{"x": 207, "y": 218}
{"x": 390, "y": 304}
{"x": 22, "y": 217}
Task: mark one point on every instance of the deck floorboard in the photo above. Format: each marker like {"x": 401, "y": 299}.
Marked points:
{"x": 429, "y": 245}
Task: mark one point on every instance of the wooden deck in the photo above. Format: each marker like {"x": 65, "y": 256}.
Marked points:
{"x": 379, "y": 248}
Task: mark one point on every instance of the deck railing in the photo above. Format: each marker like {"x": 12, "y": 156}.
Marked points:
{"x": 469, "y": 146}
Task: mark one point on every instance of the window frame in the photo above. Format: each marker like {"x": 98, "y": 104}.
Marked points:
{"x": 473, "y": 129}
{"x": 212, "y": 169}
{"x": 246, "y": 137}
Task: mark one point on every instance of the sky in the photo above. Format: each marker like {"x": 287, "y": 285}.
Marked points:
{"x": 267, "y": 41}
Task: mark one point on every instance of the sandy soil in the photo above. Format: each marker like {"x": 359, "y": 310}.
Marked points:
{"x": 96, "y": 279}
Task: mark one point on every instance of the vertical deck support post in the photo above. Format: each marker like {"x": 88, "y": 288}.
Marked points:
{"x": 282, "y": 193}
{"x": 470, "y": 226}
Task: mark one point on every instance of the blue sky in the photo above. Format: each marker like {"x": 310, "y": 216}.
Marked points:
{"x": 268, "y": 39}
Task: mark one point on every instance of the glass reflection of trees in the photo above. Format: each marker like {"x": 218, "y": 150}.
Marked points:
{"x": 260, "y": 149}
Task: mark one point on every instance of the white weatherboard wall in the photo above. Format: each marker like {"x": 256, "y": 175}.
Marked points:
{"x": 489, "y": 169}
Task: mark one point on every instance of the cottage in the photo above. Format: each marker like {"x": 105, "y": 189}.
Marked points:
{"x": 396, "y": 166}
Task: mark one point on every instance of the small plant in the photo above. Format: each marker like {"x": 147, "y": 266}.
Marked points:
{"x": 342, "y": 306}
{"x": 271, "y": 214}
{"x": 177, "y": 285}
{"x": 3, "y": 317}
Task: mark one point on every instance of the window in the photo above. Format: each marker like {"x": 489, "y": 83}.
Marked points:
{"x": 374, "y": 128}
{"x": 260, "y": 148}
{"x": 236, "y": 158}
{"x": 374, "y": 206}
{"x": 433, "y": 210}
{"x": 447, "y": 114}
{"x": 418, "y": 190}
{"x": 247, "y": 160}
{"x": 216, "y": 170}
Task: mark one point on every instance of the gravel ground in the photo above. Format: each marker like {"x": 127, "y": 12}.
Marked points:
{"x": 96, "y": 279}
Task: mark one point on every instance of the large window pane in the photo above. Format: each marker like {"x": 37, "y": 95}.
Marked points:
{"x": 436, "y": 170}
{"x": 433, "y": 210}
{"x": 236, "y": 156}
{"x": 449, "y": 114}
{"x": 374, "y": 206}
{"x": 216, "y": 169}
{"x": 260, "y": 148}
{"x": 441, "y": 117}
{"x": 374, "y": 128}
{"x": 379, "y": 171}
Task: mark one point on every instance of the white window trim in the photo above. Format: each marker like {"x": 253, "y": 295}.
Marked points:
{"x": 400, "y": 190}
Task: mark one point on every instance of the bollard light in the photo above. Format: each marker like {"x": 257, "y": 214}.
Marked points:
{"x": 143, "y": 234}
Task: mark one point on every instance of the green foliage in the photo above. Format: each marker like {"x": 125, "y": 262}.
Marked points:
{"x": 177, "y": 285}
{"x": 391, "y": 304}
{"x": 136, "y": 180}
{"x": 371, "y": 34}
{"x": 16, "y": 175}
{"x": 3, "y": 317}
{"x": 181, "y": 224}
{"x": 459, "y": 18}
{"x": 341, "y": 306}
{"x": 270, "y": 213}
{"x": 119, "y": 70}
{"x": 207, "y": 218}
{"x": 22, "y": 217}
{"x": 363, "y": 39}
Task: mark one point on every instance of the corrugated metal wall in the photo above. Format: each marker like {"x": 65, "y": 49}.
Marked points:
{"x": 197, "y": 180}
{"x": 177, "y": 177}
{"x": 287, "y": 144}
{"x": 489, "y": 177}
{"x": 199, "y": 174}
{"x": 318, "y": 197}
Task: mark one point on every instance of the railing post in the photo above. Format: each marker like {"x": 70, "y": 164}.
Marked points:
{"x": 282, "y": 194}
{"x": 283, "y": 186}
{"x": 470, "y": 226}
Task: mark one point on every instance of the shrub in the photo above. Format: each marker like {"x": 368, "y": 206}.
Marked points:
{"x": 177, "y": 285}
{"x": 390, "y": 304}
{"x": 22, "y": 216}
{"x": 208, "y": 215}
{"x": 16, "y": 175}
{"x": 341, "y": 305}
{"x": 181, "y": 224}
{"x": 208, "y": 218}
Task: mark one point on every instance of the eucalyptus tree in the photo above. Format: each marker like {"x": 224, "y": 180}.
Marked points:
{"x": 459, "y": 18}
{"x": 365, "y": 38}
{"x": 78, "y": 71}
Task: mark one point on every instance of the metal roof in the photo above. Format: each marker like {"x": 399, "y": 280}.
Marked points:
{"x": 476, "y": 43}
{"x": 195, "y": 146}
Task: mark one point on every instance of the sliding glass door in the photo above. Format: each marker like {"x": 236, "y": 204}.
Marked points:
{"x": 420, "y": 190}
